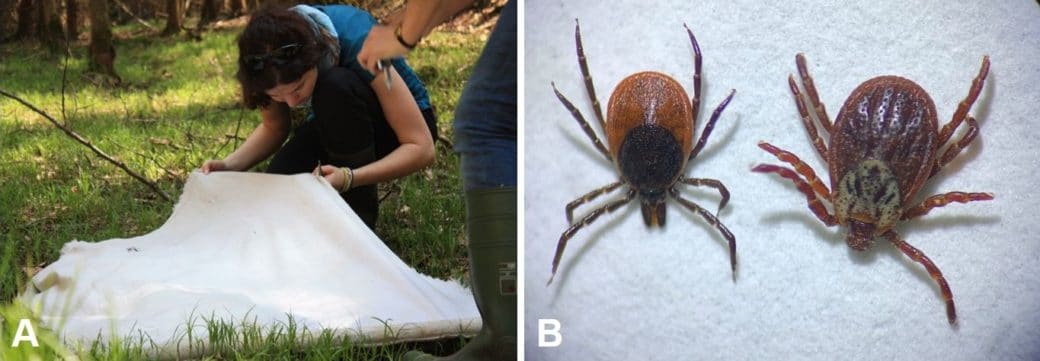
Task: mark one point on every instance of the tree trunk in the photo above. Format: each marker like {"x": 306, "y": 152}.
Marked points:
{"x": 8, "y": 17}
{"x": 210, "y": 10}
{"x": 173, "y": 17}
{"x": 72, "y": 19}
{"x": 26, "y": 20}
{"x": 102, "y": 52}
{"x": 48, "y": 26}
{"x": 237, "y": 7}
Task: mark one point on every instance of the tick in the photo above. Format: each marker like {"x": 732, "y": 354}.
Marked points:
{"x": 649, "y": 130}
{"x": 884, "y": 145}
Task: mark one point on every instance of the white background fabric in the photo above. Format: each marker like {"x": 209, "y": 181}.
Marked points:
{"x": 249, "y": 246}
{"x": 628, "y": 293}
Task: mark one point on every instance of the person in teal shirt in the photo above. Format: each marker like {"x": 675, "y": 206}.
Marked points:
{"x": 351, "y": 26}
{"x": 360, "y": 129}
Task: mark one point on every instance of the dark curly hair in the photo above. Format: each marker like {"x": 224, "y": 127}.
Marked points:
{"x": 270, "y": 28}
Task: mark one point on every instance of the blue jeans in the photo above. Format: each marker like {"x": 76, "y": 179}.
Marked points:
{"x": 485, "y": 119}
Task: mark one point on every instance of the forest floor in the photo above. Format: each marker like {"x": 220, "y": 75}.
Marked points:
{"x": 178, "y": 105}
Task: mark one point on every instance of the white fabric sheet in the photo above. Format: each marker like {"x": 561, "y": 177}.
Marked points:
{"x": 254, "y": 247}
{"x": 629, "y": 293}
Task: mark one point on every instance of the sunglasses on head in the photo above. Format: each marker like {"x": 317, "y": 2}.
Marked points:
{"x": 278, "y": 57}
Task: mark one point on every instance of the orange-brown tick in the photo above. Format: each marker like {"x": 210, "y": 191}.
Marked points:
{"x": 883, "y": 146}
{"x": 649, "y": 128}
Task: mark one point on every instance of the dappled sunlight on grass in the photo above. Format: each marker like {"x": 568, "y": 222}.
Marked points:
{"x": 177, "y": 107}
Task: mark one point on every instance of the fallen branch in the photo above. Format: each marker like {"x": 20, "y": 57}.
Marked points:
{"x": 232, "y": 137}
{"x": 87, "y": 143}
{"x": 174, "y": 175}
{"x": 126, "y": 9}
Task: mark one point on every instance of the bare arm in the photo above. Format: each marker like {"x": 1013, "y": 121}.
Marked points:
{"x": 416, "y": 149}
{"x": 403, "y": 115}
{"x": 261, "y": 143}
{"x": 420, "y": 17}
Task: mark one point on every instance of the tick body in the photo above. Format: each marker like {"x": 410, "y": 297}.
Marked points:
{"x": 884, "y": 145}
{"x": 649, "y": 130}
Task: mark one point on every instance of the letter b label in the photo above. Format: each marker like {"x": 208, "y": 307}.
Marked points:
{"x": 549, "y": 332}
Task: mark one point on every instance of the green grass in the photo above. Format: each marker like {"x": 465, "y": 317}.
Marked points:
{"x": 224, "y": 340}
{"x": 179, "y": 106}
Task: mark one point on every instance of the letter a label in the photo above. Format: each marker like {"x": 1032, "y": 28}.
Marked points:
{"x": 25, "y": 333}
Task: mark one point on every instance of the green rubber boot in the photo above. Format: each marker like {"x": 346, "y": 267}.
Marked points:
{"x": 491, "y": 228}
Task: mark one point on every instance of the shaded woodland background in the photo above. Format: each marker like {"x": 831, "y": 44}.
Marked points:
{"x": 59, "y": 23}
{"x": 108, "y": 106}
{"x": 165, "y": 105}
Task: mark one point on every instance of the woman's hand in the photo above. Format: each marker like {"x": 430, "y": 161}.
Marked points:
{"x": 213, "y": 165}
{"x": 381, "y": 43}
{"x": 332, "y": 175}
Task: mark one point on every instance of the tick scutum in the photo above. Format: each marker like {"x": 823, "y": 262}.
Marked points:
{"x": 650, "y": 160}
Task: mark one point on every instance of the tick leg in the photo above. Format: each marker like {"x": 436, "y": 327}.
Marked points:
{"x": 940, "y": 200}
{"x": 919, "y": 257}
{"x": 800, "y": 167}
{"x": 814, "y": 203}
{"x": 956, "y": 147}
{"x": 585, "y": 74}
{"x": 696, "y": 101}
{"x": 715, "y": 223}
{"x": 588, "y": 197}
{"x": 562, "y": 243}
{"x": 584, "y": 125}
{"x": 965, "y": 105}
{"x": 810, "y": 89}
{"x": 706, "y": 182}
{"x": 711, "y": 124}
{"x": 810, "y": 127}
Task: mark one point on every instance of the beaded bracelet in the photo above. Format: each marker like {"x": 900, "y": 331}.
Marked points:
{"x": 348, "y": 179}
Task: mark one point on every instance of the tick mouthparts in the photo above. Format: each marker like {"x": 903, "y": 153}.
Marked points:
{"x": 653, "y": 214}
{"x": 860, "y": 235}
